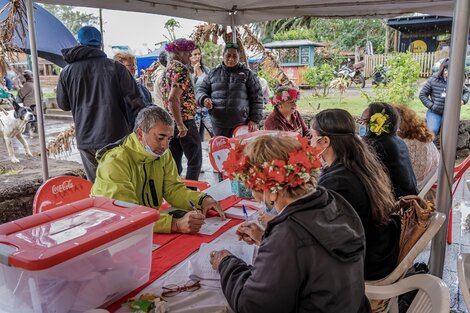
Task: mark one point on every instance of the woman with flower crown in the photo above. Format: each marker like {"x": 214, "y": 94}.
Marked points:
{"x": 353, "y": 170}
{"x": 285, "y": 115}
{"x": 379, "y": 125}
{"x": 311, "y": 255}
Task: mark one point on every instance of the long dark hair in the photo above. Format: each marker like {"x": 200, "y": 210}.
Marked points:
{"x": 339, "y": 126}
{"x": 203, "y": 66}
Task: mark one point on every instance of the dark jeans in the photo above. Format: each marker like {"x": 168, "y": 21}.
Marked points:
{"x": 190, "y": 145}
{"x": 220, "y": 131}
{"x": 89, "y": 163}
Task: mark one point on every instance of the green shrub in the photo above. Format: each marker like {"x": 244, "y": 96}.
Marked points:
{"x": 319, "y": 78}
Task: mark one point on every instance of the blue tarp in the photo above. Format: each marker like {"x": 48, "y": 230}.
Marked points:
{"x": 144, "y": 61}
{"x": 51, "y": 35}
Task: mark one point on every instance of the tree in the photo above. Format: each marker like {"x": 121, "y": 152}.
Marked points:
{"x": 212, "y": 54}
{"x": 70, "y": 17}
{"x": 320, "y": 77}
{"x": 170, "y": 26}
{"x": 343, "y": 33}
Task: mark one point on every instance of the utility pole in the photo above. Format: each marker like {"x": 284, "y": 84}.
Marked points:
{"x": 101, "y": 26}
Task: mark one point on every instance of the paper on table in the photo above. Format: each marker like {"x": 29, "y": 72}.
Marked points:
{"x": 212, "y": 224}
{"x": 237, "y": 212}
{"x": 200, "y": 267}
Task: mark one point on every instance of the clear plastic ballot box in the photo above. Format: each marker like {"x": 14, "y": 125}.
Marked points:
{"x": 75, "y": 257}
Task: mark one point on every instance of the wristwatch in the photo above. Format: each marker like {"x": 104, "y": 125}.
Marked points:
{"x": 204, "y": 195}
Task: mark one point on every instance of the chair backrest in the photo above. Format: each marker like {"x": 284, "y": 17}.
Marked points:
{"x": 432, "y": 297}
{"x": 60, "y": 190}
{"x": 463, "y": 272}
{"x": 435, "y": 224}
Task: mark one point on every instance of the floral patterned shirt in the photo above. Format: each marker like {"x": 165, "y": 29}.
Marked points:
{"x": 178, "y": 75}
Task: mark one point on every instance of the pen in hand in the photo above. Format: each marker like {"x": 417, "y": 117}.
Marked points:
{"x": 191, "y": 203}
{"x": 244, "y": 212}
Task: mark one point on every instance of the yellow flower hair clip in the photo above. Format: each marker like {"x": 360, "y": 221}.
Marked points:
{"x": 379, "y": 123}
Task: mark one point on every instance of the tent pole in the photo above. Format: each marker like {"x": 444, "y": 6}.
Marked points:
{"x": 232, "y": 19}
{"x": 37, "y": 88}
{"x": 450, "y": 128}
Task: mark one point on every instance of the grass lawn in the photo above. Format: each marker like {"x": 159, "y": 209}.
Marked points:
{"x": 355, "y": 104}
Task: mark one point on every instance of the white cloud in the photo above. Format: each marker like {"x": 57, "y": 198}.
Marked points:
{"x": 139, "y": 31}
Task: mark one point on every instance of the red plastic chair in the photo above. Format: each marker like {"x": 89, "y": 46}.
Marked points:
{"x": 459, "y": 171}
{"x": 60, "y": 190}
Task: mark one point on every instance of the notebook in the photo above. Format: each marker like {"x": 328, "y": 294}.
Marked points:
{"x": 201, "y": 269}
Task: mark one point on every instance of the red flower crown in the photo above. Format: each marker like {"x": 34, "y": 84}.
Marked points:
{"x": 277, "y": 174}
{"x": 285, "y": 93}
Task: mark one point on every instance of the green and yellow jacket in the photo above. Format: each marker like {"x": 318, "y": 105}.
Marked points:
{"x": 128, "y": 173}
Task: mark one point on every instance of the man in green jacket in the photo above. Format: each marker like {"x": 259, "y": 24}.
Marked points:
{"x": 140, "y": 169}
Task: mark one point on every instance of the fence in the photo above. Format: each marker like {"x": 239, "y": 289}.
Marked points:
{"x": 426, "y": 61}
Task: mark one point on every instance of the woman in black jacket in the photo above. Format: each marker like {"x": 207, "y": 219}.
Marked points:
{"x": 311, "y": 256}
{"x": 381, "y": 121}
{"x": 354, "y": 171}
{"x": 433, "y": 96}
{"x": 232, "y": 94}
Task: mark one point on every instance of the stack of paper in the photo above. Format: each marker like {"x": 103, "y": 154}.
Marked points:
{"x": 237, "y": 212}
{"x": 201, "y": 269}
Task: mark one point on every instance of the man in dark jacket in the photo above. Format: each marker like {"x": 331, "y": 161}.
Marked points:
{"x": 96, "y": 90}
{"x": 433, "y": 96}
{"x": 232, "y": 93}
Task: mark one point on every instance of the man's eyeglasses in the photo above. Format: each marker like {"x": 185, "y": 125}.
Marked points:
{"x": 229, "y": 45}
{"x": 173, "y": 290}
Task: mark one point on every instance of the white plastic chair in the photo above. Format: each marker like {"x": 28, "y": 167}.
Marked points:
{"x": 399, "y": 272}
{"x": 463, "y": 272}
{"x": 432, "y": 297}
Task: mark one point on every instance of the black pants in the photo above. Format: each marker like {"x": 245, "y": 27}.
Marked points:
{"x": 89, "y": 163}
{"x": 220, "y": 131}
{"x": 190, "y": 145}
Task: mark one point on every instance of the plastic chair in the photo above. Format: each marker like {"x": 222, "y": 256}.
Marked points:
{"x": 463, "y": 273}
{"x": 437, "y": 220}
{"x": 60, "y": 190}
{"x": 432, "y": 297}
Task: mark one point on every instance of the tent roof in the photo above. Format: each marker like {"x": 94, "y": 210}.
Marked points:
{"x": 292, "y": 44}
{"x": 248, "y": 11}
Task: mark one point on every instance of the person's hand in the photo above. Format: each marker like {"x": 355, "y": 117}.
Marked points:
{"x": 197, "y": 69}
{"x": 182, "y": 130}
{"x": 210, "y": 203}
{"x": 461, "y": 102}
{"x": 250, "y": 233}
{"x": 216, "y": 257}
{"x": 264, "y": 218}
{"x": 190, "y": 223}
{"x": 208, "y": 103}
{"x": 252, "y": 126}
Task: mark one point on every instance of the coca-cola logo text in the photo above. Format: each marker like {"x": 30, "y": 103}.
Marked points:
{"x": 66, "y": 185}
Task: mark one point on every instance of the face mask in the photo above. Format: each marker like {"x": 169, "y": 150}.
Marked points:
{"x": 266, "y": 209}
{"x": 153, "y": 154}
{"x": 323, "y": 162}
{"x": 362, "y": 130}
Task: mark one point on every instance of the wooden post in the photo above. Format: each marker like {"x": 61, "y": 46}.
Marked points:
{"x": 387, "y": 39}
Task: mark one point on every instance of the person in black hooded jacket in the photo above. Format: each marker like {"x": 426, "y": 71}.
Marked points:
{"x": 232, "y": 93}
{"x": 311, "y": 256}
{"x": 97, "y": 91}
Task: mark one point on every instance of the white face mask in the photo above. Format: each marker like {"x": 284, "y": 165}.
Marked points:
{"x": 151, "y": 152}
{"x": 270, "y": 211}
{"x": 323, "y": 162}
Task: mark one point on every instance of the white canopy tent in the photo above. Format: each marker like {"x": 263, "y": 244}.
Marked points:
{"x": 238, "y": 12}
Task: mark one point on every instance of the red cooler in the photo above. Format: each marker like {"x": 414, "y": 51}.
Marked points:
{"x": 75, "y": 257}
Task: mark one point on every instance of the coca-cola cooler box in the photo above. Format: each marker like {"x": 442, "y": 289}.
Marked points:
{"x": 75, "y": 257}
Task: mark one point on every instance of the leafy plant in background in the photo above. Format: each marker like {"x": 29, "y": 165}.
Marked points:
{"x": 170, "y": 26}
{"x": 319, "y": 78}
{"x": 272, "y": 82}
{"x": 403, "y": 81}
{"x": 211, "y": 54}
{"x": 342, "y": 84}
{"x": 71, "y": 17}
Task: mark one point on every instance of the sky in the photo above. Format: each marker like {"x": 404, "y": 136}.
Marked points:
{"x": 139, "y": 31}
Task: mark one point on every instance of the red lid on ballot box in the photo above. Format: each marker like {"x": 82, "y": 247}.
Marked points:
{"x": 46, "y": 239}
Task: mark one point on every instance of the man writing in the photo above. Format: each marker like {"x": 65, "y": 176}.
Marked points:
{"x": 140, "y": 169}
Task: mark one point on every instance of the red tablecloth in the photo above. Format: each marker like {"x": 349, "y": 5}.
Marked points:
{"x": 174, "y": 248}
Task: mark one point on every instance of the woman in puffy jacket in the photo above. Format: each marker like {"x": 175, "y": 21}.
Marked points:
{"x": 433, "y": 96}
{"x": 232, "y": 94}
